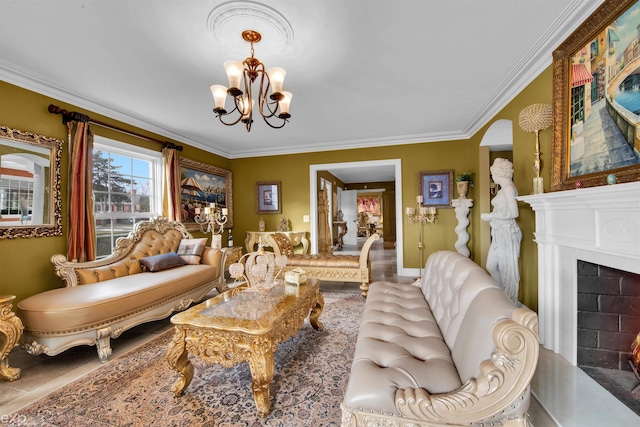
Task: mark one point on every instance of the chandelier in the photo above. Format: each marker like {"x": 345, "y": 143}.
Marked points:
{"x": 242, "y": 76}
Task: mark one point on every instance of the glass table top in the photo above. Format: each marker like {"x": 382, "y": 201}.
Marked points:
{"x": 243, "y": 308}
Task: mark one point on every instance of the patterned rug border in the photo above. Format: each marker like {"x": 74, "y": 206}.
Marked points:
{"x": 311, "y": 373}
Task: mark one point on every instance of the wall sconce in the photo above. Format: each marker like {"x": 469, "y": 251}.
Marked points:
{"x": 210, "y": 218}
{"x": 422, "y": 215}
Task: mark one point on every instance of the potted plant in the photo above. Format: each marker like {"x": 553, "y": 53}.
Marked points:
{"x": 463, "y": 182}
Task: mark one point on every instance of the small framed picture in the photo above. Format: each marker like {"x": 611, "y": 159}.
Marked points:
{"x": 268, "y": 197}
{"x": 436, "y": 188}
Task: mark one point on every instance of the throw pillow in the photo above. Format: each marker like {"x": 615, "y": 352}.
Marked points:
{"x": 191, "y": 250}
{"x": 162, "y": 262}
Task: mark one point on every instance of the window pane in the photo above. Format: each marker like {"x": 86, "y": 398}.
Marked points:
{"x": 104, "y": 246}
{"x": 123, "y": 224}
{"x": 125, "y": 184}
{"x": 142, "y": 186}
{"x": 142, "y": 204}
{"x": 142, "y": 168}
{"x": 121, "y": 164}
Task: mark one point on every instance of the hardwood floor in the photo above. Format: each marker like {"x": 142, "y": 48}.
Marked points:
{"x": 44, "y": 374}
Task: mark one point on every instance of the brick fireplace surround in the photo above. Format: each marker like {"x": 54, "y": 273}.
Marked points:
{"x": 598, "y": 225}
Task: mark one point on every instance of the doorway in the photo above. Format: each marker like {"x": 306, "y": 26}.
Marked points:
{"x": 365, "y": 166}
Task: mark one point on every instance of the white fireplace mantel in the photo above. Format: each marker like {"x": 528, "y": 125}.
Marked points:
{"x": 600, "y": 225}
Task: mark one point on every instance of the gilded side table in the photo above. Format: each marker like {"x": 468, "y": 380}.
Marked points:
{"x": 10, "y": 332}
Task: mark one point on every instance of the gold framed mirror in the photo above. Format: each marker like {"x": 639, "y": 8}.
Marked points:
{"x": 29, "y": 185}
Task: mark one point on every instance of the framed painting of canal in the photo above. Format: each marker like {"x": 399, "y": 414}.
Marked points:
{"x": 596, "y": 100}
{"x": 201, "y": 185}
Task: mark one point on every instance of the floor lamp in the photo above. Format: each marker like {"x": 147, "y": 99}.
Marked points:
{"x": 422, "y": 215}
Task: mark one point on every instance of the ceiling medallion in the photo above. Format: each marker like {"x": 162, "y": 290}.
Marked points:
{"x": 228, "y": 20}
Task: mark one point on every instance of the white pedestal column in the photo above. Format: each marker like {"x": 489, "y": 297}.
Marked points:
{"x": 462, "y": 207}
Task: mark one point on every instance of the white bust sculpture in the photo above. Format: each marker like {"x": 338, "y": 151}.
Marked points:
{"x": 502, "y": 260}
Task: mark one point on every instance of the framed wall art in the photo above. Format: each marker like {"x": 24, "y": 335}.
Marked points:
{"x": 268, "y": 197}
{"x": 369, "y": 204}
{"x": 436, "y": 188}
{"x": 200, "y": 185}
{"x": 596, "y": 99}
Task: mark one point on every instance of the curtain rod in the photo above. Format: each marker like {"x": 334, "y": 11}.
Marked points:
{"x": 68, "y": 116}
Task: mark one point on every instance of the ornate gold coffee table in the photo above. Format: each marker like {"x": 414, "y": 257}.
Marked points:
{"x": 243, "y": 325}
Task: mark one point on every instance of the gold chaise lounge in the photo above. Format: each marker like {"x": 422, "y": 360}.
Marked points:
{"x": 329, "y": 267}
{"x": 103, "y": 298}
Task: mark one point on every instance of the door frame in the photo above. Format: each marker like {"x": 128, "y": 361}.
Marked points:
{"x": 313, "y": 200}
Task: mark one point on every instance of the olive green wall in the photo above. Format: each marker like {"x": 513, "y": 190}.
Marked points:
{"x": 540, "y": 90}
{"x": 25, "y": 267}
{"x": 25, "y": 262}
{"x": 293, "y": 171}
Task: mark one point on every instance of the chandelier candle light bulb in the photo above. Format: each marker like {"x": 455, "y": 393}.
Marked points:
{"x": 219, "y": 93}
{"x": 276, "y": 77}
{"x": 234, "y": 71}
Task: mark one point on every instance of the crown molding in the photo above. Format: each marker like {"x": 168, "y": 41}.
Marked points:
{"x": 537, "y": 59}
{"x": 18, "y": 76}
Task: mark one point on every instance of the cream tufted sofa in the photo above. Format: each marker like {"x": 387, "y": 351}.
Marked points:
{"x": 103, "y": 298}
{"x": 452, "y": 351}
{"x": 339, "y": 268}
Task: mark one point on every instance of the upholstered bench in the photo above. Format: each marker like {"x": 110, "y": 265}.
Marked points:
{"x": 454, "y": 350}
{"x": 329, "y": 267}
{"x": 144, "y": 279}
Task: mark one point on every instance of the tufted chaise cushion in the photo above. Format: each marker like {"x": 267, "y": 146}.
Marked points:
{"x": 151, "y": 243}
{"x": 317, "y": 260}
{"x": 59, "y": 311}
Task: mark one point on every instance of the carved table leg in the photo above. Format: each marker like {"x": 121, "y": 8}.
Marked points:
{"x": 315, "y": 313}
{"x": 178, "y": 360}
{"x": 261, "y": 363}
{"x": 10, "y": 332}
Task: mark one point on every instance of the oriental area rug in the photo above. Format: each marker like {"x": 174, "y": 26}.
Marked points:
{"x": 311, "y": 374}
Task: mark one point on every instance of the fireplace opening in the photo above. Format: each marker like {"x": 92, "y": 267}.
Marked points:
{"x": 609, "y": 330}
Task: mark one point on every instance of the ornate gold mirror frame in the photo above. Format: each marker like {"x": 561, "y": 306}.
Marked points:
{"x": 34, "y": 161}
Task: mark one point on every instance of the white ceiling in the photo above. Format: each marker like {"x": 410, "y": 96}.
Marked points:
{"x": 363, "y": 72}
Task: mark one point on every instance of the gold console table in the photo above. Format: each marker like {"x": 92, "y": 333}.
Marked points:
{"x": 342, "y": 230}
{"x": 10, "y": 332}
{"x": 255, "y": 237}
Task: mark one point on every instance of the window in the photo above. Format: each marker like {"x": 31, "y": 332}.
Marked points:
{"x": 127, "y": 188}
{"x": 16, "y": 193}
